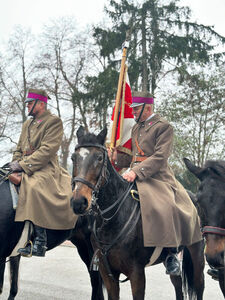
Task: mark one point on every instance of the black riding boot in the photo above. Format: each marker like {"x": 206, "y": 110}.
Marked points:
{"x": 172, "y": 263}
{"x": 39, "y": 247}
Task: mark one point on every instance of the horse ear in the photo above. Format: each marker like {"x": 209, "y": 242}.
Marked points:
{"x": 197, "y": 171}
{"x": 80, "y": 133}
{"x": 102, "y": 136}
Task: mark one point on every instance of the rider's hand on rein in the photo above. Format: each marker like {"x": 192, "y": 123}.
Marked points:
{"x": 130, "y": 176}
{"x": 15, "y": 166}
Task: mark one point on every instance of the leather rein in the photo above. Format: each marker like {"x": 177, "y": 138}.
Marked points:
{"x": 102, "y": 246}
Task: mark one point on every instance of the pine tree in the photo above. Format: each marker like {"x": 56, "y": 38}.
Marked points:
{"x": 160, "y": 32}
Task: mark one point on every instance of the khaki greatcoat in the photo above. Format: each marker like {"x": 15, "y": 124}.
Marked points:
{"x": 45, "y": 190}
{"x": 168, "y": 215}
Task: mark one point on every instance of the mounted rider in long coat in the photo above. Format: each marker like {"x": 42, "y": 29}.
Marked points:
{"x": 168, "y": 215}
{"x": 45, "y": 190}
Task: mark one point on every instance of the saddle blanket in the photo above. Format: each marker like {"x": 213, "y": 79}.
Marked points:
{"x": 14, "y": 194}
{"x": 155, "y": 255}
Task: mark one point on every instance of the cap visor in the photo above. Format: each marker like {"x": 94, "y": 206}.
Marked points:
{"x": 29, "y": 100}
{"x": 136, "y": 104}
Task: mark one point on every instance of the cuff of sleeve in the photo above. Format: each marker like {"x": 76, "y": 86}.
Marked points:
{"x": 26, "y": 168}
{"x": 139, "y": 172}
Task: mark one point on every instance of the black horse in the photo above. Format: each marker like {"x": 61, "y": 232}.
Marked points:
{"x": 10, "y": 232}
{"x": 117, "y": 231}
{"x": 211, "y": 208}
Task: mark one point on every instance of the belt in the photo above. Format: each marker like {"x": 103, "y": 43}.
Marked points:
{"x": 139, "y": 158}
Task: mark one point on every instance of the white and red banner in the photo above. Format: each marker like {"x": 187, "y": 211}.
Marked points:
{"x": 125, "y": 119}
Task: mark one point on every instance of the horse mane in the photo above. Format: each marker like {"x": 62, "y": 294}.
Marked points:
{"x": 217, "y": 165}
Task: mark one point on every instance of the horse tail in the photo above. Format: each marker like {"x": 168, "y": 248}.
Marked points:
{"x": 187, "y": 275}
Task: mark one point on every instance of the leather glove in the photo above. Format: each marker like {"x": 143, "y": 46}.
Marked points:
{"x": 15, "y": 166}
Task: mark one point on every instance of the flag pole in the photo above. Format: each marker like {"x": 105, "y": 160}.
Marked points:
{"x": 118, "y": 97}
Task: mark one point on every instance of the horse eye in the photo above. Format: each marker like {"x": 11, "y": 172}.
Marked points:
{"x": 100, "y": 157}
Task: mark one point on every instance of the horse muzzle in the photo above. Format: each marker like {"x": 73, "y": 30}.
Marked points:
{"x": 79, "y": 205}
{"x": 216, "y": 261}
{"x": 214, "y": 250}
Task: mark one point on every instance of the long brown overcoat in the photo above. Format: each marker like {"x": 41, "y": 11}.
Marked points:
{"x": 45, "y": 190}
{"x": 169, "y": 217}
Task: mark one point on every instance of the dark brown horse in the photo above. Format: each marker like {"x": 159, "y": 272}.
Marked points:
{"x": 117, "y": 231}
{"x": 10, "y": 232}
{"x": 211, "y": 208}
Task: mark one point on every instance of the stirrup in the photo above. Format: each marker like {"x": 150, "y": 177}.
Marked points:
{"x": 31, "y": 249}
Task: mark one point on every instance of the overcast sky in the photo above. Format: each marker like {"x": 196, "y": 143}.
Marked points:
{"x": 34, "y": 14}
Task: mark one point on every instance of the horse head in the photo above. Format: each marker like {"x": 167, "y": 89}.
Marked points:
{"x": 89, "y": 168}
{"x": 211, "y": 207}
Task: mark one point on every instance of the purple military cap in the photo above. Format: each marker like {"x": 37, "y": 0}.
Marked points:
{"x": 139, "y": 98}
{"x": 37, "y": 94}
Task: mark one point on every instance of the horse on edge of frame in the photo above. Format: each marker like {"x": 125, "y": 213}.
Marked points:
{"x": 210, "y": 203}
{"x": 117, "y": 237}
{"x": 10, "y": 233}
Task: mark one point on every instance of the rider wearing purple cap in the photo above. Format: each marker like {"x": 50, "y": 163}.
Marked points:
{"x": 45, "y": 190}
{"x": 169, "y": 217}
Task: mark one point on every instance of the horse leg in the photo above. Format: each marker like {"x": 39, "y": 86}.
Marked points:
{"x": 85, "y": 251}
{"x": 222, "y": 281}
{"x": 14, "y": 273}
{"x": 137, "y": 281}
{"x": 111, "y": 284}
{"x": 2, "y": 270}
{"x": 196, "y": 251}
{"x": 177, "y": 283}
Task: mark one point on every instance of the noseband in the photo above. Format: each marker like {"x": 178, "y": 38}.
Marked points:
{"x": 103, "y": 173}
{"x": 213, "y": 230}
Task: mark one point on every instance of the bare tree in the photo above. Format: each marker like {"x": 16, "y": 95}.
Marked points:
{"x": 16, "y": 75}
{"x": 197, "y": 109}
{"x": 63, "y": 65}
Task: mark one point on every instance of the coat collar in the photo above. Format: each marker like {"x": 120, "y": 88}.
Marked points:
{"x": 42, "y": 118}
{"x": 148, "y": 123}
{"x": 151, "y": 122}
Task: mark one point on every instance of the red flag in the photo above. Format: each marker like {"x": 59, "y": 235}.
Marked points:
{"x": 125, "y": 120}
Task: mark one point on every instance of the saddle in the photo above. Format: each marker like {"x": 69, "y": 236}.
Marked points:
{"x": 6, "y": 173}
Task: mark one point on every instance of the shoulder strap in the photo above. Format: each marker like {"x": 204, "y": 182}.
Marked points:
{"x": 140, "y": 151}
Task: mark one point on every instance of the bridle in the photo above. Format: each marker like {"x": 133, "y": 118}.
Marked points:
{"x": 213, "y": 230}
{"x": 217, "y": 231}
{"x": 103, "y": 177}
